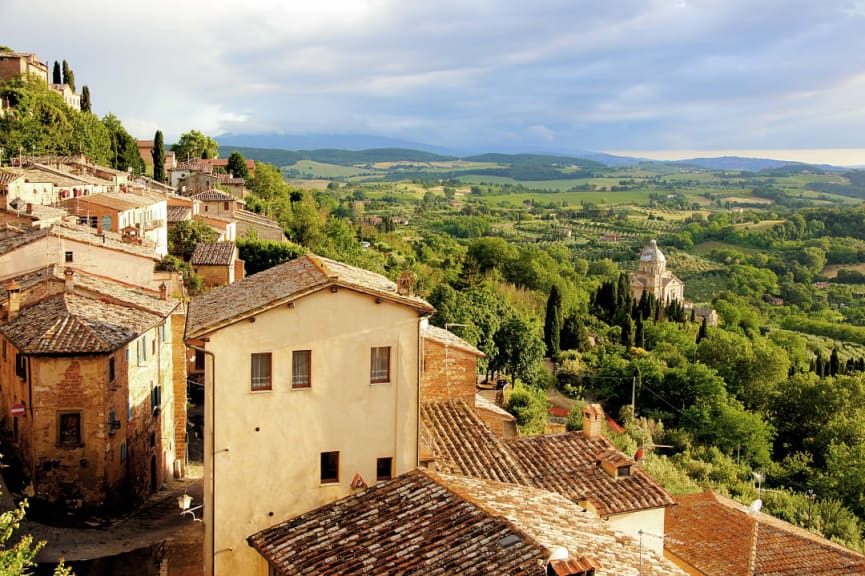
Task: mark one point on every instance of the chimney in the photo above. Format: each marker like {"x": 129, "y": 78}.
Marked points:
{"x": 593, "y": 416}
{"x": 405, "y": 284}
{"x": 30, "y": 208}
{"x": 69, "y": 277}
{"x": 14, "y": 292}
{"x": 163, "y": 291}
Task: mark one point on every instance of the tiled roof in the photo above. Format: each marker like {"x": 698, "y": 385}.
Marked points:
{"x": 26, "y": 237}
{"x": 448, "y": 338}
{"x": 8, "y": 175}
{"x": 715, "y": 535}
{"x": 553, "y": 521}
{"x": 569, "y": 464}
{"x": 70, "y": 324}
{"x": 213, "y": 254}
{"x": 422, "y": 523}
{"x": 463, "y": 444}
{"x": 255, "y": 219}
{"x": 484, "y": 403}
{"x": 409, "y": 525}
{"x": 109, "y": 240}
{"x": 213, "y": 195}
{"x": 178, "y": 213}
{"x": 112, "y": 200}
{"x": 285, "y": 282}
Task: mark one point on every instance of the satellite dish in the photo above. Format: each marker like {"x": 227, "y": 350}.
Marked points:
{"x": 755, "y": 507}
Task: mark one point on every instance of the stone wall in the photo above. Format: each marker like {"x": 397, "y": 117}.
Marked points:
{"x": 449, "y": 373}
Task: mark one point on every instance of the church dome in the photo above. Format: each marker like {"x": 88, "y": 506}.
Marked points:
{"x": 652, "y": 253}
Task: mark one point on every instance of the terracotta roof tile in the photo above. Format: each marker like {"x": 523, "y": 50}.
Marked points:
{"x": 409, "y": 525}
{"x": 284, "y": 282}
{"x": 255, "y": 219}
{"x": 422, "y": 523}
{"x": 178, "y": 213}
{"x": 716, "y": 536}
{"x": 463, "y": 444}
{"x": 569, "y": 464}
{"x": 213, "y": 254}
{"x": 448, "y": 338}
{"x": 213, "y": 195}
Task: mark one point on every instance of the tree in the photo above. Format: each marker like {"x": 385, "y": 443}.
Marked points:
{"x": 187, "y": 234}
{"x": 553, "y": 322}
{"x": 158, "y": 154}
{"x": 194, "y": 145}
{"x": 17, "y": 558}
{"x": 124, "y": 148}
{"x": 68, "y": 76}
{"x": 85, "y": 98}
{"x": 56, "y": 77}
{"x": 237, "y": 165}
{"x": 520, "y": 349}
{"x": 260, "y": 255}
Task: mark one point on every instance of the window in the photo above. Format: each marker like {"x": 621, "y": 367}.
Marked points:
{"x": 163, "y": 333}
{"x": 301, "y": 369}
{"x": 68, "y": 256}
{"x": 112, "y": 373}
{"x": 329, "y": 467}
{"x": 153, "y": 346}
{"x": 21, "y": 366}
{"x": 199, "y": 360}
{"x": 225, "y": 205}
{"x": 260, "y": 378}
{"x": 106, "y": 223}
{"x": 384, "y": 469}
{"x": 69, "y": 429}
{"x": 142, "y": 350}
{"x": 380, "y": 365}
{"x": 156, "y": 399}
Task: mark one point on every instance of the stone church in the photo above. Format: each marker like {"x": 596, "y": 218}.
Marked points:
{"x": 653, "y": 277}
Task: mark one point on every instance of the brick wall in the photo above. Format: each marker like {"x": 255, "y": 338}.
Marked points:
{"x": 448, "y": 374}
{"x": 178, "y": 350}
{"x": 214, "y": 275}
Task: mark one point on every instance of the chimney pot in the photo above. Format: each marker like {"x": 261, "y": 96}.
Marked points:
{"x": 593, "y": 417}
{"x": 405, "y": 284}
{"x": 69, "y": 277}
{"x": 14, "y": 292}
{"x": 163, "y": 291}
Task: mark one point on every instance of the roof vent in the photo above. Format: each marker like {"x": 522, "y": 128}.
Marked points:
{"x": 615, "y": 463}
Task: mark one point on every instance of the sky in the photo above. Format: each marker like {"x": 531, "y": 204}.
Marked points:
{"x": 652, "y": 76}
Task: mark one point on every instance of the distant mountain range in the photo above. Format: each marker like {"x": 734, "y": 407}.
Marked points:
{"x": 286, "y": 149}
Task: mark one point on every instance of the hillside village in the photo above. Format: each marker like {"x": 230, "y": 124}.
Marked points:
{"x": 343, "y": 432}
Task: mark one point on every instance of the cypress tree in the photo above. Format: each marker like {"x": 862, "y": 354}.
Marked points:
{"x": 704, "y": 329}
{"x": 85, "y": 98}
{"x": 553, "y": 322}
{"x": 68, "y": 76}
{"x": 158, "y": 154}
{"x": 56, "y": 77}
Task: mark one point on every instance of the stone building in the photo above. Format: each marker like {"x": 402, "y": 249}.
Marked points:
{"x": 217, "y": 263}
{"x": 87, "y": 400}
{"x": 654, "y": 278}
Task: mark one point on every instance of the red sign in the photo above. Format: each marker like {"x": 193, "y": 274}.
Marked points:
{"x": 18, "y": 410}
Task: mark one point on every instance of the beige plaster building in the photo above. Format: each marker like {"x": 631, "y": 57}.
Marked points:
{"x": 87, "y": 398}
{"x": 653, "y": 277}
{"x": 313, "y": 374}
{"x": 82, "y": 248}
{"x": 14, "y": 64}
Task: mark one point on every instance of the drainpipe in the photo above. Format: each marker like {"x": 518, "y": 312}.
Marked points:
{"x": 213, "y": 453}
{"x": 421, "y": 325}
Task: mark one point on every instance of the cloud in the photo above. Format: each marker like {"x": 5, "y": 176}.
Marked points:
{"x": 573, "y": 73}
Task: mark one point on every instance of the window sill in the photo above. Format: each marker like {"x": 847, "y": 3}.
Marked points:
{"x": 383, "y": 383}
{"x": 296, "y": 388}
{"x": 329, "y": 484}
{"x": 260, "y": 390}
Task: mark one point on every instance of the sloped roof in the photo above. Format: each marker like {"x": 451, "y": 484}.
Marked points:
{"x": 463, "y": 444}
{"x": 553, "y": 521}
{"x": 213, "y": 195}
{"x": 424, "y": 523}
{"x": 484, "y": 403}
{"x": 213, "y": 254}
{"x": 569, "y": 464}
{"x": 98, "y": 316}
{"x": 450, "y": 339}
{"x": 715, "y": 535}
{"x": 411, "y": 524}
{"x": 70, "y": 324}
{"x": 112, "y": 200}
{"x": 284, "y": 282}
{"x": 178, "y": 213}
{"x": 652, "y": 253}
{"x": 255, "y": 219}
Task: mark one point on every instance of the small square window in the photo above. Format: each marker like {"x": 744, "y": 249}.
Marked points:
{"x": 380, "y": 365}
{"x": 329, "y": 467}
{"x": 261, "y": 371}
{"x": 69, "y": 429}
{"x": 384, "y": 469}
{"x": 69, "y": 256}
{"x": 301, "y": 369}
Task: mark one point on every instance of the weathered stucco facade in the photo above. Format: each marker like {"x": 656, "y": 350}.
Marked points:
{"x": 265, "y": 449}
